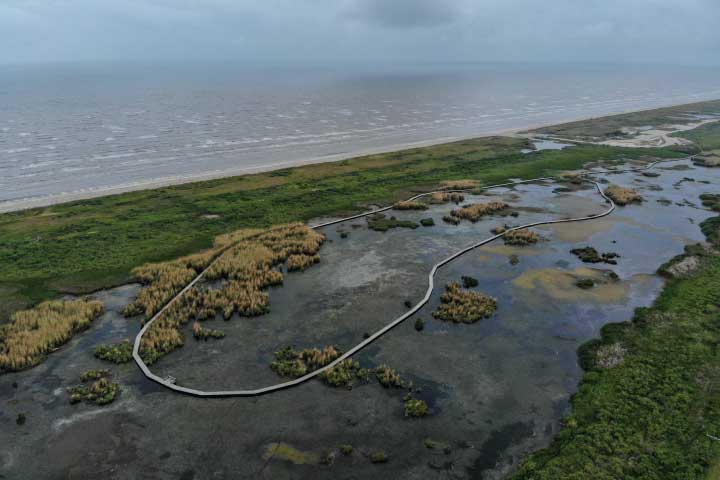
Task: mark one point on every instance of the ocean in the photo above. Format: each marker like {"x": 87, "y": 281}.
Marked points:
{"x": 80, "y": 130}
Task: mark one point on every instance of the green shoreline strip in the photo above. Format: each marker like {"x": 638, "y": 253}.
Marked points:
{"x": 650, "y": 416}
{"x": 86, "y": 245}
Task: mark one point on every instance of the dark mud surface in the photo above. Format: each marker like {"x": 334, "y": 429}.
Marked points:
{"x": 496, "y": 389}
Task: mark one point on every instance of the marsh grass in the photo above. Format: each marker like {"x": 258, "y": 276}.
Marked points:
{"x": 96, "y": 388}
{"x": 32, "y": 334}
{"x": 410, "y": 205}
{"x": 387, "y": 377}
{"x": 464, "y": 306}
{"x": 474, "y": 212}
{"x": 521, "y": 238}
{"x": 622, "y": 195}
{"x": 296, "y": 363}
{"x": 203, "y": 333}
{"x": 246, "y": 265}
{"x": 445, "y": 197}
{"x": 461, "y": 184}
{"x": 116, "y": 353}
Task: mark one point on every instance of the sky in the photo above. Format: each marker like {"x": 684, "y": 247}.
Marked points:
{"x": 325, "y": 31}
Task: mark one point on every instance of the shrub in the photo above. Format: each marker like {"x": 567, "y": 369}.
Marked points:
{"x": 20, "y": 419}
{"x": 344, "y": 374}
{"x": 469, "y": 282}
{"x": 464, "y": 306}
{"x": 419, "y": 324}
{"x": 116, "y": 353}
{"x": 32, "y": 334}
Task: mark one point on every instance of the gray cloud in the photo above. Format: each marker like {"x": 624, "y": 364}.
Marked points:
{"x": 659, "y": 31}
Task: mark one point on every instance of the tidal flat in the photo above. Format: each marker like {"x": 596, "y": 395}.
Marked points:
{"x": 496, "y": 389}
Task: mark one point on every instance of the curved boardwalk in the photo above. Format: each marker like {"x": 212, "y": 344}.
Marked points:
{"x": 431, "y": 286}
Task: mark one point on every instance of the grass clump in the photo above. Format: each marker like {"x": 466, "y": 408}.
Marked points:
{"x": 414, "y": 407}
{"x": 32, "y": 334}
{"x": 410, "y": 205}
{"x": 378, "y": 457}
{"x": 380, "y": 223}
{"x": 344, "y": 374}
{"x": 419, "y": 325}
{"x": 427, "y": 222}
{"x": 585, "y": 283}
{"x": 115, "y": 352}
{"x": 711, "y": 201}
{"x": 445, "y": 197}
{"x": 622, "y": 195}
{"x": 346, "y": 449}
{"x": 474, "y": 212}
{"x": 463, "y": 306}
{"x": 202, "y": 333}
{"x": 521, "y": 238}
{"x": 469, "y": 282}
{"x": 96, "y": 388}
{"x": 301, "y": 262}
{"x": 462, "y": 184}
{"x": 590, "y": 255}
{"x": 387, "y": 377}
{"x": 451, "y": 220}
{"x": 296, "y": 363}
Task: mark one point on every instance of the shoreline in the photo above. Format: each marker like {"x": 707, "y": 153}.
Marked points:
{"x": 9, "y": 206}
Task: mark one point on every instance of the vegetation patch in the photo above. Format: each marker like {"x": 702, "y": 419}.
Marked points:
{"x": 203, "y": 333}
{"x": 462, "y": 184}
{"x": 427, "y": 222}
{"x": 286, "y": 452}
{"x": 711, "y": 201}
{"x": 521, "y": 237}
{"x": 96, "y": 388}
{"x": 474, "y": 212}
{"x": 32, "y": 334}
{"x": 245, "y": 267}
{"x": 115, "y": 352}
{"x": 414, "y": 407}
{"x": 378, "y": 457}
{"x": 297, "y": 363}
{"x": 387, "y": 377}
{"x": 410, "y": 205}
{"x": 451, "y": 220}
{"x": 590, "y": 255}
{"x": 445, "y": 197}
{"x": 464, "y": 306}
{"x": 469, "y": 282}
{"x": 380, "y": 223}
{"x": 344, "y": 374}
{"x": 585, "y": 283}
{"x": 622, "y": 195}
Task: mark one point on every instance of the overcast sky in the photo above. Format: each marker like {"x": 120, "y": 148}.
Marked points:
{"x": 654, "y": 31}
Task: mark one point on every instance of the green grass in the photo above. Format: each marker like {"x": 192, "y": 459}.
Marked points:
{"x": 611, "y": 125}
{"x": 648, "y": 417}
{"x": 87, "y": 245}
{"x": 707, "y": 136}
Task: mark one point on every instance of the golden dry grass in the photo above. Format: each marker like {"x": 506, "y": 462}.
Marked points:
{"x": 463, "y": 306}
{"x": 247, "y": 265}
{"x": 459, "y": 184}
{"x": 32, "y": 334}
{"x": 410, "y": 205}
{"x": 476, "y": 211}
{"x": 445, "y": 197}
{"x": 521, "y": 237}
{"x": 622, "y": 195}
